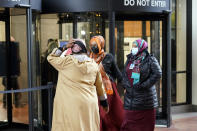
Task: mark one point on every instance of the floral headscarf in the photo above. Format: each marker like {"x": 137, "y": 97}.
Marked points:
{"x": 141, "y": 44}
{"x": 142, "y": 49}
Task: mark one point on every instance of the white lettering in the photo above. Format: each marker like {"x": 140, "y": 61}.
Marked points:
{"x": 143, "y": 2}
{"x": 148, "y": 2}
{"x": 126, "y": 2}
{"x": 139, "y": 3}
{"x": 129, "y": 2}
{"x": 153, "y": 3}
{"x": 158, "y": 3}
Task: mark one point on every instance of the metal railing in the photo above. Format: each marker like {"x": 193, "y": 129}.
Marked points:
{"x": 46, "y": 87}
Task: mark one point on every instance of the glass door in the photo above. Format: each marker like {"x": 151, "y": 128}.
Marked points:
{"x": 128, "y": 31}
{"x": 13, "y": 70}
{"x": 20, "y": 69}
{"x": 81, "y": 25}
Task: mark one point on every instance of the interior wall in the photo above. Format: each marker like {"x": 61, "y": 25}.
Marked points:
{"x": 18, "y": 31}
{"x": 49, "y": 30}
{"x": 132, "y": 28}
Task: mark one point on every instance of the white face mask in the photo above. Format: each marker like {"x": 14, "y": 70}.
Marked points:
{"x": 134, "y": 51}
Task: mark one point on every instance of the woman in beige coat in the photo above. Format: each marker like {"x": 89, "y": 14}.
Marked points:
{"x": 78, "y": 88}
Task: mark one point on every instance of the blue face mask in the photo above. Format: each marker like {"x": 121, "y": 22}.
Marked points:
{"x": 134, "y": 51}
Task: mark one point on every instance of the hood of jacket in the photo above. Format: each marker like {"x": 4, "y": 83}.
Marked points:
{"x": 83, "y": 62}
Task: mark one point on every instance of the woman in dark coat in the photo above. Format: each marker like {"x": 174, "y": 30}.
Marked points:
{"x": 141, "y": 72}
{"x": 112, "y": 120}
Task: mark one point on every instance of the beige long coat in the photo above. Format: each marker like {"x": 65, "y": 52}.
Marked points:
{"x": 76, "y": 100}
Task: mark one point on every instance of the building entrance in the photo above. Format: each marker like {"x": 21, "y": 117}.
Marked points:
{"x": 126, "y": 29}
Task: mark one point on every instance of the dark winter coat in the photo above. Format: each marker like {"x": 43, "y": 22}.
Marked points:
{"x": 142, "y": 95}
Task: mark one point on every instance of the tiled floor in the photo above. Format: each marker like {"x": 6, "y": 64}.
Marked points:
{"x": 182, "y": 122}
{"x": 20, "y": 115}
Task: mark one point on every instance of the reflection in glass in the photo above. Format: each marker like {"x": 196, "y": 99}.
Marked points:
{"x": 19, "y": 35}
{"x": 88, "y": 25}
{"x": 18, "y": 68}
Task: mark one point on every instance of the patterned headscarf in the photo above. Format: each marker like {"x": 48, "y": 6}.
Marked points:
{"x": 134, "y": 61}
{"x": 142, "y": 49}
{"x": 141, "y": 54}
{"x": 141, "y": 44}
{"x": 99, "y": 41}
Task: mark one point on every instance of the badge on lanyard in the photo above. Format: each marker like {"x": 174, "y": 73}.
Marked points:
{"x": 131, "y": 66}
{"x": 136, "y": 77}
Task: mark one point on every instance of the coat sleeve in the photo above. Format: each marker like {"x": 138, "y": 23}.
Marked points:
{"x": 155, "y": 74}
{"x": 125, "y": 83}
{"x": 116, "y": 71}
{"x": 100, "y": 90}
{"x": 111, "y": 67}
{"x": 56, "y": 61}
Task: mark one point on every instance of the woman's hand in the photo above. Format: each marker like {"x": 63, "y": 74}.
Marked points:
{"x": 70, "y": 43}
{"x": 106, "y": 109}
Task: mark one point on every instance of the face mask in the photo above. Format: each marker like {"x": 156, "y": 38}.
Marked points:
{"x": 75, "y": 52}
{"x": 95, "y": 49}
{"x": 134, "y": 51}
